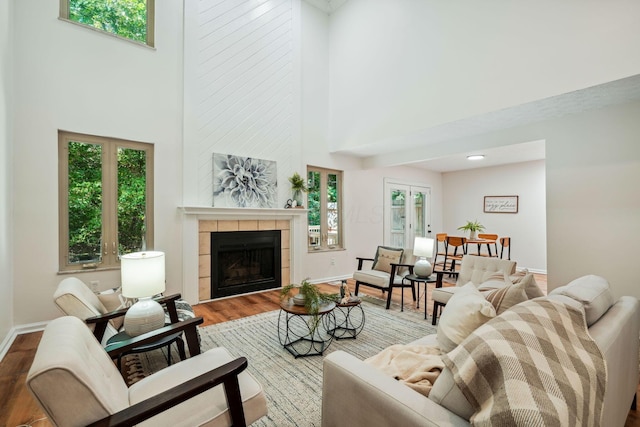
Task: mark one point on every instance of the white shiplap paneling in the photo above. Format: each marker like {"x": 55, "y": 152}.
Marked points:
{"x": 244, "y": 86}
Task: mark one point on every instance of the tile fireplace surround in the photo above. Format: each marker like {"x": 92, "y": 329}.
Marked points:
{"x": 199, "y": 222}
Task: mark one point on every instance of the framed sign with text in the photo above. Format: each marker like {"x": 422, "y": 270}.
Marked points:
{"x": 501, "y": 204}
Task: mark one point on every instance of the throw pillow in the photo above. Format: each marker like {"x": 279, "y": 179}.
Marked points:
{"x": 531, "y": 287}
{"x": 112, "y": 300}
{"x": 466, "y": 310}
{"x": 385, "y": 256}
{"x": 505, "y": 298}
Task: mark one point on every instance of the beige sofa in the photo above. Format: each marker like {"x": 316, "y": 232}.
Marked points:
{"x": 357, "y": 394}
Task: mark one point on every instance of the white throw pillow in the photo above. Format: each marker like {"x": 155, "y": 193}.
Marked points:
{"x": 466, "y": 310}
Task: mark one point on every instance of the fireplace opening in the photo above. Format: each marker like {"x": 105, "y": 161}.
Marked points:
{"x": 244, "y": 261}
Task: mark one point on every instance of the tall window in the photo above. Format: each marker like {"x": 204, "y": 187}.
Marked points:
{"x": 325, "y": 209}
{"x": 131, "y": 19}
{"x": 106, "y": 200}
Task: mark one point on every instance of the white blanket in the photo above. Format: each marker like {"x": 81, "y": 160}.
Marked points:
{"x": 418, "y": 366}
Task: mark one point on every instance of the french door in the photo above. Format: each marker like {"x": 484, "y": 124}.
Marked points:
{"x": 407, "y": 213}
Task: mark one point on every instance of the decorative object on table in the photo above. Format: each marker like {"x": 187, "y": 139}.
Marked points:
{"x": 472, "y": 227}
{"x": 244, "y": 182}
{"x": 423, "y": 248}
{"x": 501, "y": 204}
{"x": 143, "y": 276}
{"x": 298, "y": 186}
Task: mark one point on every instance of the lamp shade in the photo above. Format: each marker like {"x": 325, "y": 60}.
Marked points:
{"x": 142, "y": 274}
{"x": 423, "y": 247}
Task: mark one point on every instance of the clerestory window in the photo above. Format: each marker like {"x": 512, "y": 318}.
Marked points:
{"x": 130, "y": 19}
{"x": 325, "y": 209}
{"x": 105, "y": 200}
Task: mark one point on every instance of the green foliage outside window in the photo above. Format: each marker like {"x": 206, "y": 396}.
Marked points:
{"x": 126, "y": 18}
{"x": 131, "y": 200}
{"x": 85, "y": 201}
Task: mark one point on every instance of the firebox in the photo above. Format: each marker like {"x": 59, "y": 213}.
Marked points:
{"x": 244, "y": 261}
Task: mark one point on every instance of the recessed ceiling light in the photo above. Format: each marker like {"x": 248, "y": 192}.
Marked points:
{"x": 476, "y": 157}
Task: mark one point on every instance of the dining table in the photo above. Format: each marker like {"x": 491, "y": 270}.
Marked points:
{"x": 479, "y": 243}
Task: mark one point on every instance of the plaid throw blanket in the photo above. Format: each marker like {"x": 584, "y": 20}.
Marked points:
{"x": 534, "y": 365}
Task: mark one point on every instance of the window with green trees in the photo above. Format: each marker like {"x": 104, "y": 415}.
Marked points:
{"x": 106, "y": 200}
{"x": 325, "y": 208}
{"x": 131, "y": 19}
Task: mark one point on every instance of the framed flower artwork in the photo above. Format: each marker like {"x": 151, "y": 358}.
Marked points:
{"x": 244, "y": 182}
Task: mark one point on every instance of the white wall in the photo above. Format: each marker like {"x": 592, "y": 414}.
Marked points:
{"x": 406, "y": 65}
{"x": 464, "y": 201}
{"x": 72, "y": 78}
{"x": 6, "y": 254}
{"x": 241, "y": 89}
{"x": 593, "y": 203}
{"x": 363, "y": 188}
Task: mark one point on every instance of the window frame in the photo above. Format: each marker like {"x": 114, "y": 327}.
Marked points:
{"x": 109, "y": 162}
{"x": 151, "y": 13}
{"x": 324, "y": 232}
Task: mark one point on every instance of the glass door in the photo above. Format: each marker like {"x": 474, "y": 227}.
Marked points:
{"x": 407, "y": 213}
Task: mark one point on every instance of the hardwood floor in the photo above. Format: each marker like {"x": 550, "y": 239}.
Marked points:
{"x": 17, "y": 407}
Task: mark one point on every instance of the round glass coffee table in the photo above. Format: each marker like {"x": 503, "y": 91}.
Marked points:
{"x": 303, "y": 334}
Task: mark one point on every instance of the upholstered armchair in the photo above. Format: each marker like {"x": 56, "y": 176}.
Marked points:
{"x": 75, "y": 382}
{"x": 104, "y": 313}
{"x": 473, "y": 268}
{"x": 387, "y": 271}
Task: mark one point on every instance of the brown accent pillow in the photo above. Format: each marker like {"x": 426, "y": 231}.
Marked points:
{"x": 111, "y": 301}
{"x": 385, "y": 256}
{"x": 505, "y": 298}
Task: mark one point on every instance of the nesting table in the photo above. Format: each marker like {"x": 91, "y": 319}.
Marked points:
{"x": 302, "y": 335}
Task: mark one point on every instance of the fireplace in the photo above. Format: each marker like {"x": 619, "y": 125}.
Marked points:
{"x": 245, "y": 261}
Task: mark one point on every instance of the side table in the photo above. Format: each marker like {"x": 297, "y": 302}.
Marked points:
{"x": 349, "y": 320}
{"x": 163, "y": 342}
{"x": 300, "y": 333}
{"x": 415, "y": 279}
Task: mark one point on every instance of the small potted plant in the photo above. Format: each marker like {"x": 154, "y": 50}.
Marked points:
{"x": 472, "y": 227}
{"x": 298, "y": 186}
{"x": 310, "y": 296}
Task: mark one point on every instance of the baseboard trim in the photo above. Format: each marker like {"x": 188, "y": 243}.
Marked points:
{"x": 19, "y": 330}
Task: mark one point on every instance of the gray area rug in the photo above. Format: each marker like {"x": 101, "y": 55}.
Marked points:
{"x": 294, "y": 386}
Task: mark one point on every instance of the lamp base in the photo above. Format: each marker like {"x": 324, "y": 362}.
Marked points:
{"x": 422, "y": 268}
{"x": 144, "y": 316}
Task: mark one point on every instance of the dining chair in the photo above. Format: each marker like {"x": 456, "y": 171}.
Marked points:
{"x": 488, "y": 236}
{"x": 505, "y": 242}
{"x": 456, "y": 247}
{"x": 441, "y": 249}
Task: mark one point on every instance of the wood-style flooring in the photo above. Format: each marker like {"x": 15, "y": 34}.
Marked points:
{"x": 17, "y": 407}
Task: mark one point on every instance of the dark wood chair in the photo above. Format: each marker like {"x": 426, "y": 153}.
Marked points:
{"x": 456, "y": 249}
{"x": 488, "y": 236}
{"x": 75, "y": 382}
{"x": 441, "y": 250}
{"x": 505, "y": 242}
{"x": 385, "y": 277}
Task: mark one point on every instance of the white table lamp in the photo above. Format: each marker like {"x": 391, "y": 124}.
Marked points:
{"x": 142, "y": 275}
{"x": 423, "y": 248}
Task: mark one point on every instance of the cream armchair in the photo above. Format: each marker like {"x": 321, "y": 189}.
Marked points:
{"x": 75, "y": 382}
{"x": 473, "y": 268}
{"x": 387, "y": 271}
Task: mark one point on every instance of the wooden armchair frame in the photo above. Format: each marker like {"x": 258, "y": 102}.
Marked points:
{"x": 391, "y": 284}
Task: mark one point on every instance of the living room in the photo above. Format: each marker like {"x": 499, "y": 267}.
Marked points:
{"x": 582, "y": 220}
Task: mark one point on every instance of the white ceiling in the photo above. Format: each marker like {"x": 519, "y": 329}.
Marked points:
{"x": 327, "y": 6}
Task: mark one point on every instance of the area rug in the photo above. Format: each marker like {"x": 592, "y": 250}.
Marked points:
{"x": 294, "y": 386}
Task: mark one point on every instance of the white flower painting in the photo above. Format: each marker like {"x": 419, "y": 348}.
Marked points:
{"x": 244, "y": 182}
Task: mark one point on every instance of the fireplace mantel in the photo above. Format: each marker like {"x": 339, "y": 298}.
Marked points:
{"x": 206, "y": 212}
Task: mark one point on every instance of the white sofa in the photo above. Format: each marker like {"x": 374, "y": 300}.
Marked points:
{"x": 357, "y": 394}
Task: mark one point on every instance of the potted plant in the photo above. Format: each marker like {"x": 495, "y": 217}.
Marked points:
{"x": 472, "y": 227}
{"x": 310, "y": 296}
{"x": 298, "y": 186}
